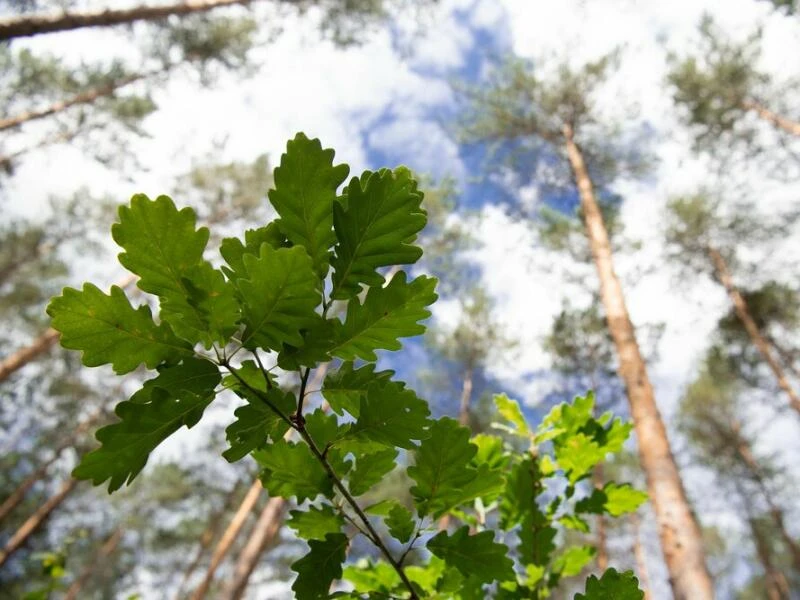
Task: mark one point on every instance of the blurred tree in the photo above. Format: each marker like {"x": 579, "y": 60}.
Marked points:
{"x": 703, "y": 237}
{"x": 557, "y": 117}
{"x": 723, "y": 83}
{"x": 99, "y": 102}
{"x": 711, "y": 416}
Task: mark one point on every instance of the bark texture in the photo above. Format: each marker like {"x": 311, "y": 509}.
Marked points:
{"x": 680, "y": 536}
{"x": 28, "y": 25}
{"x": 210, "y": 532}
{"x": 466, "y": 397}
{"x": 228, "y": 537}
{"x": 743, "y": 313}
{"x": 782, "y": 123}
{"x": 267, "y": 527}
{"x": 36, "y": 520}
{"x": 774, "y": 580}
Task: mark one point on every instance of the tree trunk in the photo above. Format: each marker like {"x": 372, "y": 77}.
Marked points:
{"x": 264, "y": 532}
{"x": 99, "y": 559}
{"x": 18, "y": 494}
{"x": 740, "y": 306}
{"x": 757, "y": 473}
{"x": 228, "y": 537}
{"x": 36, "y": 520}
{"x": 214, "y": 523}
{"x": 466, "y": 396}
{"x": 28, "y": 25}
{"x": 639, "y": 557}
{"x": 602, "y": 539}
{"x": 681, "y": 540}
{"x": 774, "y": 580}
{"x": 86, "y": 97}
{"x": 41, "y": 344}
{"x": 787, "y": 125}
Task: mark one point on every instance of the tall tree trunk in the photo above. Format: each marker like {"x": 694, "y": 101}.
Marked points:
{"x": 466, "y": 396}
{"x": 36, "y": 520}
{"x": 742, "y": 311}
{"x": 787, "y": 125}
{"x": 18, "y": 494}
{"x": 774, "y": 580}
{"x": 745, "y": 452}
{"x": 602, "y": 538}
{"x": 264, "y": 532}
{"x": 86, "y": 97}
{"x": 28, "y": 25}
{"x": 681, "y": 540}
{"x": 639, "y": 556}
{"x": 214, "y": 523}
{"x": 228, "y": 537}
{"x": 106, "y": 550}
{"x": 11, "y": 364}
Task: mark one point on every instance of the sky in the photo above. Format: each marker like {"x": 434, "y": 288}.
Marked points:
{"x": 391, "y": 101}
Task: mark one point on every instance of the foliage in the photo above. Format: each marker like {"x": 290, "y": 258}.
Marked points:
{"x": 221, "y": 328}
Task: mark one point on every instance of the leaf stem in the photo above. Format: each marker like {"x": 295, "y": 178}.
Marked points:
{"x": 258, "y": 393}
{"x": 302, "y": 396}
{"x": 374, "y": 537}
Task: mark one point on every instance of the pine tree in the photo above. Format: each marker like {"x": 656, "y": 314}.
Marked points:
{"x": 722, "y": 84}
{"x": 703, "y": 236}
{"x": 555, "y": 115}
{"x": 712, "y": 416}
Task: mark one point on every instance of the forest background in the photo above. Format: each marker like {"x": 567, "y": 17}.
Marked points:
{"x": 205, "y": 118}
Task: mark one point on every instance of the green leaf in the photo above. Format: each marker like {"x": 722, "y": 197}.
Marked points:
{"x": 577, "y": 454}
{"x": 614, "y": 499}
{"x": 345, "y": 388}
{"x": 375, "y": 226}
{"x": 163, "y": 247}
{"x": 574, "y": 522}
{"x": 160, "y": 243}
{"x": 388, "y": 313}
{"x": 573, "y": 560}
{"x": 305, "y": 189}
{"x": 127, "y": 445}
{"x": 290, "y": 469}
{"x": 474, "y": 555}
{"x": 509, "y": 409}
{"x": 426, "y": 577}
{"x": 108, "y": 330}
{"x": 442, "y": 468}
{"x": 619, "y": 586}
{"x": 318, "y": 569}
{"x": 391, "y": 415}
{"x": 400, "y": 523}
{"x": 208, "y": 312}
{"x": 279, "y": 296}
{"x": 233, "y": 250}
{"x": 370, "y": 469}
{"x": 256, "y": 422}
{"x": 315, "y": 523}
{"x": 367, "y": 577}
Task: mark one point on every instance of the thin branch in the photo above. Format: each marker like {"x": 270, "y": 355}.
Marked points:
{"x": 337, "y": 482}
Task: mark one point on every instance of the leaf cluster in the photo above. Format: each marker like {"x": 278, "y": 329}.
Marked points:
{"x": 273, "y": 305}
